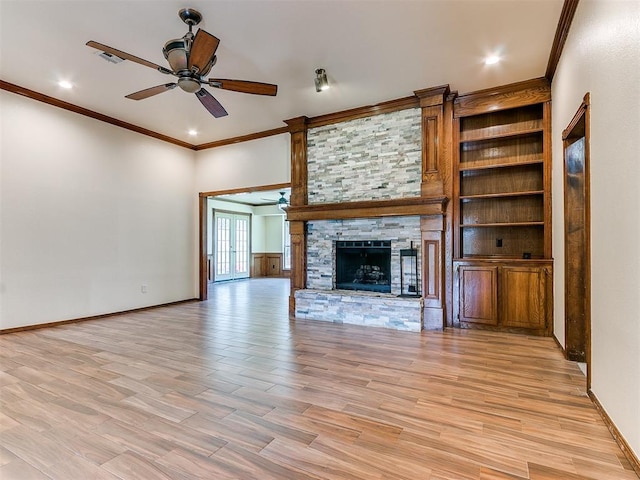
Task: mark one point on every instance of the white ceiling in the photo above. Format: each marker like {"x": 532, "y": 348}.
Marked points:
{"x": 373, "y": 51}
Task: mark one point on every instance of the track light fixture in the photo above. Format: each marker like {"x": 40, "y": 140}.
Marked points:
{"x": 321, "y": 80}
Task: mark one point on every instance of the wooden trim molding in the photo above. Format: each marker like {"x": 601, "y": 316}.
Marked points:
{"x": 562, "y": 31}
{"x": 203, "y": 264}
{"x": 369, "y": 209}
{"x": 93, "y": 317}
{"x": 25, "y": 92}
{"x": 366, "y": 111}
{"x": 298, "y": 128}
{"x": 564, "y": 354}
{"x": 434, "y": 96}
{"x": 242, "y": 138}
{"x": 616, "y": 434}
{"x": 582, "y": 109}
{"x": 537, "y": 90}
{"x": 231, "y": 191}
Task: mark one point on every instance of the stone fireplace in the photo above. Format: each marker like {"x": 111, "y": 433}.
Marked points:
{"x": 364, "y": 189}
{"x": 324, "y": 236}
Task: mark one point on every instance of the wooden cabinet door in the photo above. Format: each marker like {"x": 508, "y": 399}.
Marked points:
{"x": 478, "y": 294}
{"x": 522, "y": 297}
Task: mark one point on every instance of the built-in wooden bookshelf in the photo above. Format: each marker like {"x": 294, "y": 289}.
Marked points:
{"x": 502, "y": 211}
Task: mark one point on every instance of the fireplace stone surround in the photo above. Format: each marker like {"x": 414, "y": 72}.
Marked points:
{"x": 322, "y": 301}
{"x": 322, "y": 237}
{"x": 356, "y": 173}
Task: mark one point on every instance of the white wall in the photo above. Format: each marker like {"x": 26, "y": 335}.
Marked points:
{"x": 89, "y": 213}
{"x": 602, "y": 56}
{"x": 264, "y": 161}
{"x": 273, "y": 234}
{"x": 265, "y": 235}
{"x": 258, "y": 235}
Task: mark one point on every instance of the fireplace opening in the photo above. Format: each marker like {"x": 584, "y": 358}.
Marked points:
{"x": 364, "y": 265}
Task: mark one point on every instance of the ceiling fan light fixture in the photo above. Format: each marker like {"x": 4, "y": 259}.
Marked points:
{"x": 189, "y": 84}
{"x": 282, "y": 202}
{"x": 321, "y": 81}
{"x": 175, "y": 51}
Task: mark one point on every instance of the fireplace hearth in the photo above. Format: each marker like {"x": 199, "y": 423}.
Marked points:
{"x": 363, "y": 265}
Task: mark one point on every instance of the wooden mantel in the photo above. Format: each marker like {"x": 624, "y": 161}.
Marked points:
{"x": 433, "y": 205}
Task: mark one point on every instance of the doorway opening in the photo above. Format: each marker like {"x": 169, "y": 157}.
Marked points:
{"x": 577, "y": 249}
{"x": 241, "y": 234}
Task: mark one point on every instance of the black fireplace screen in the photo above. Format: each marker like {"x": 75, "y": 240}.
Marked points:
{"x": 364, "y": 265}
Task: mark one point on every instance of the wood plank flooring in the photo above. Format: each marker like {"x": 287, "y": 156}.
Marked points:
{"x": 232, "y": 389}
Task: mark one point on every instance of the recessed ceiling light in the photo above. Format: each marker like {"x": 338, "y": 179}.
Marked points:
{"x": 65, "y": 84}
{"x": 491, "y": 60}
{"x": 193, "y": 133}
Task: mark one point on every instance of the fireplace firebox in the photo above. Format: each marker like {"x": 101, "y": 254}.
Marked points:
{"x": 363, "y": 265}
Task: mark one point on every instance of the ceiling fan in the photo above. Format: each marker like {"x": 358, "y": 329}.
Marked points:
{"x": 191, "y": 58}
{"x": 282, "y": 203}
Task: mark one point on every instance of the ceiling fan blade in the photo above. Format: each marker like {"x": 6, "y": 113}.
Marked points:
{"x": 128, "y": 56}
{"x": 211, "y": 104}
{"x": 150, "y": 92}
{"x": 244, "y": 86}
{"x": 203, "y": 50}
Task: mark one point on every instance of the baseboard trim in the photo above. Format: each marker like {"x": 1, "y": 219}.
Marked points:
{"x": 93, "y": 317}
{"x": 564, "y": 354}
{"x": 615, "y": 433}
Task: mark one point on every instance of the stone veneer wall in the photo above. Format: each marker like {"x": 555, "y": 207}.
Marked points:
{"x": 372, "y": 158}
{"x": 358, "y": 308}
{"x": 322, "y": 235}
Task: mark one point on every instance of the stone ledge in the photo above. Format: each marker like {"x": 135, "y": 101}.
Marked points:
{"x": 360, "y": 308}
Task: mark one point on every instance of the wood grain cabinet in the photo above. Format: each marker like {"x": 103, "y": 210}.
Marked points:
{"x": 502, "y": 208}
{"x": 523, "y": 297}
{"x": 478, "y": 293}
{"x": 499, "y": 295}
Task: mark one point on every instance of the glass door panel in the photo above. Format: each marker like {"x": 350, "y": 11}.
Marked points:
{"x": 231, "y": 246}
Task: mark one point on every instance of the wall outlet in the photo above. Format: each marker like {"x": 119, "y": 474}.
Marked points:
{"x": 143, "y": 288}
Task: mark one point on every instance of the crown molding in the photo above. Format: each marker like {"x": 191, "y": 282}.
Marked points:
{"x": 517, "y": 94}
{"x": 56, "y": 102}
{"x": 366, "y": 111}
{"x": 260, "y": 188}
{"x": 242, "y": 138}
{"x": 562, "y": 31}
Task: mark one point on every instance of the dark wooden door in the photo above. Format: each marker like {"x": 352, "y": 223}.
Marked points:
{"x": 576, "y": 237}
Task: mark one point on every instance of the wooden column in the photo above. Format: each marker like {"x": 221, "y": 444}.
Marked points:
{"x": 435, "y": 180}
{"x": 297, "y": 229}
{"x": 433, "y": 291}
{"x": 432, "y": 105}
{"x": 447, "y": 170}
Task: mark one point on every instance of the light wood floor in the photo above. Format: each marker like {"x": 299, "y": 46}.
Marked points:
{"x": 232, "y": 389}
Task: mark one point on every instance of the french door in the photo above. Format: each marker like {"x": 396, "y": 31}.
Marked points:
{"x": 231, "y": 246}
